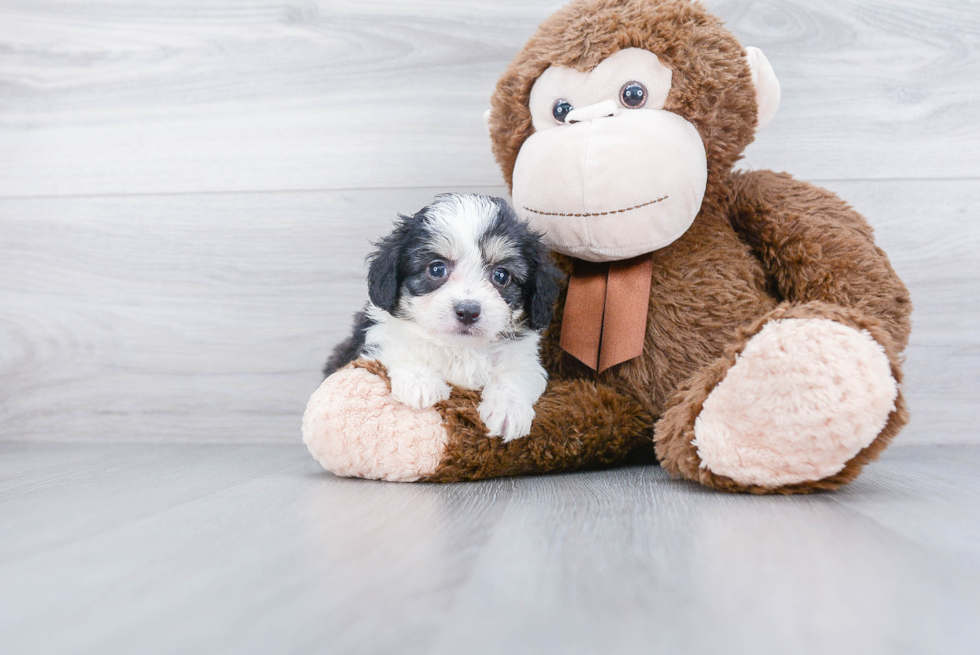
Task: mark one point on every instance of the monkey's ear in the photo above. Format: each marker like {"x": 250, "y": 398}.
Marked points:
{"x": 767, "y": 90}
{"x": 487, "y": 115}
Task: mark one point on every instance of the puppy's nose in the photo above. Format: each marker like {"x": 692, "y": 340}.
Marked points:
{"x": 467, "y": 312}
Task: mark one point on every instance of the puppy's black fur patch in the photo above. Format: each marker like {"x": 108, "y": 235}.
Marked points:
{"x": 538, "y": 289}
{"x": 350, "y": 348}
{"x": 397, "y": 268}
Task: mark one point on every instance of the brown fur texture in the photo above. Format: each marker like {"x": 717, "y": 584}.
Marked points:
{"x": 579, "y": 424}
{"x": 813, "y": 246}
{"x": 764, "y": 246}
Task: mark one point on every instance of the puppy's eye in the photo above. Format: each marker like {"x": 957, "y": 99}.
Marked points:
{"x": 560, "y": 110}
{"x": 633, "y": 95}
{"x": 501, "y": 277}
{"x": 437, "y": 269}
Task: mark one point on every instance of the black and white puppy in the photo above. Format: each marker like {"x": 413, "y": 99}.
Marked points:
{"x": 460, "y": 293}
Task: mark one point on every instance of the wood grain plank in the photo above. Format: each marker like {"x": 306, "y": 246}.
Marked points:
{"x": 284, "y": 560}
{"x": 187, "y": 317}
{"x": 926, "y": 494}
{"x": 675, "y": 568}
{"x": 207, "y": 317}
{"x": 871, "y": 90}
{"x": 253, "y": 549}
{"x": 58, "y": 494}
{"x": 159, "y": 97}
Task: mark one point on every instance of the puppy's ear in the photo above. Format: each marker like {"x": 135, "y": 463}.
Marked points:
{"x": 383, "y": 273}
{"x": 544, "y": 292}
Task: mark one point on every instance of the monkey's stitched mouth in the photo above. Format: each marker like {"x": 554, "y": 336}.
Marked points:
{"x": 615, "y": 211}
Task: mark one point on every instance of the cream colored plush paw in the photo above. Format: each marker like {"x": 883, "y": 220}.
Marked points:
{"x": 804, "y": 397}
{"x": 354, "y": 427}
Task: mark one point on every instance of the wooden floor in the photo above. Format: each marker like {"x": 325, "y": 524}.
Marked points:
{"x": 187, "y": 191}
{"x": 132, "y": 548}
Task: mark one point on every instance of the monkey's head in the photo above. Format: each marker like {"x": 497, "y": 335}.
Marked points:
{"x": 618, "y": 115}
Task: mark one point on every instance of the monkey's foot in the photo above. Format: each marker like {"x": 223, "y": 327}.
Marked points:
{"x": 354, "y": 427}
{"x": 803, "y": 398}
{"x": 801, "y": 401}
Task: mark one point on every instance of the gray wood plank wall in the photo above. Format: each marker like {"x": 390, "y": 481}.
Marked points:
{"x": 187, "y": 189}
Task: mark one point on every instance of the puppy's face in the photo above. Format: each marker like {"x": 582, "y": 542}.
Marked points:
{"x": 464, "y": 270}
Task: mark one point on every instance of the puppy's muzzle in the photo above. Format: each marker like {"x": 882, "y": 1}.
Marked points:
{"x": 467, "y": 312}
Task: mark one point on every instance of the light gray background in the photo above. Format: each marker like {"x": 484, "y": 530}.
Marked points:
{"x": 187, "y": 192}
{"x": 187, "y": 189}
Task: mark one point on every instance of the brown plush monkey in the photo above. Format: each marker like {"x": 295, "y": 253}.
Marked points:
{"x": 744, "y": 323}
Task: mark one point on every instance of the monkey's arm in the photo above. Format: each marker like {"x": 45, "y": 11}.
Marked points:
{"x": 355, "y": 428}
{"x": 577, "y": 424}
{"x": 815, "y": 247}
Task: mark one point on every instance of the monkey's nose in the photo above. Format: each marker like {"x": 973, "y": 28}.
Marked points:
{"x": 603, "y": 109}
{"x": 467, "y": 312}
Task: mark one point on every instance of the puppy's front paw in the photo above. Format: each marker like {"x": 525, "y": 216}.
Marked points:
{"x": 418, "y": 391}
{"x": 506, "y": 416}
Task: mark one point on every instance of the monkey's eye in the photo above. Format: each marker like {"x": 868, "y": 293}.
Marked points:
{"x": 633, "y": 95}
{"x": 437, "y": 269}
{"x": 560, "y": 110}
{"x": 501, "y": 277}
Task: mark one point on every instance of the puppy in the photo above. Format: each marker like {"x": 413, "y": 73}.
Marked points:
{"x": 459, "y": 295}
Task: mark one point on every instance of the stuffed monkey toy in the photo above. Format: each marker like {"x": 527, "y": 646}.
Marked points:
{"x": 741, "y": 325}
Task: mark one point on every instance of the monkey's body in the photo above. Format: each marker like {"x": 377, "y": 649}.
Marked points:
{"x": 691, "y": 316}
{"x": 774, "y": 324}
{"x": 696, "y": 323}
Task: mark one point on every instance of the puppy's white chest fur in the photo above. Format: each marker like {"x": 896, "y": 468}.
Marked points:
{"x": 460, "y": 366}
{"x": 421, "y": 368}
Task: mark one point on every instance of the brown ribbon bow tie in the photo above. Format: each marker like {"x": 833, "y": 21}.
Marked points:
{"x": 605, "y": 319}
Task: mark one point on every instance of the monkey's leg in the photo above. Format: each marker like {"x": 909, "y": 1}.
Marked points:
{"x": 802, "y": 401}
{"x": 355, "y": 428}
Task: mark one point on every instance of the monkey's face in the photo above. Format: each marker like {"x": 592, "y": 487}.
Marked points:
{"x": 609, "y": 174}
{"x": 618, "y": 116}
